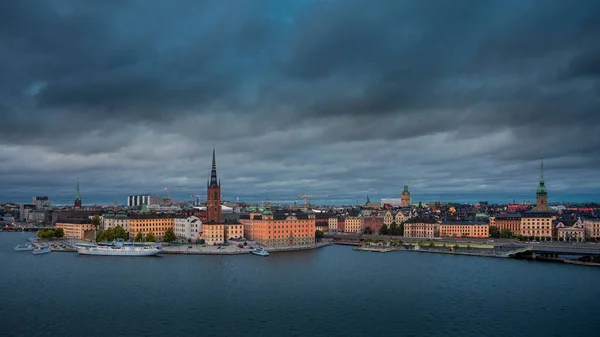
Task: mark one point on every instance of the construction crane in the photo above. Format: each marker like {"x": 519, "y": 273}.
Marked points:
{"x": 306, "y": 196}
{"x": 278, "y": 202}
{"x": 197, "y": 196}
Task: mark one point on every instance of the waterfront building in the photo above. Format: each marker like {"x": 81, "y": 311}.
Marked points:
{"x": 41, "y": 202}
{"x": 374, "y": 222}
{"x": 405, "y": 198}
{"x": 156, "y": 224}
{"x": 112, "y": 220}
{"x": 234, "y": 231}
{"x": 322, "y": 222}
{"x": 77, "y": 228}
{"x": 388, "y": 218}
{"x": 353, "y": 224}
{"x": 541, "y": 194}
{"x": 570, "y": 229}
{"x": 280, "y": 229}
{"x": 421, "y": 228}
{"x": 77, "y": 201}
{"x": 213, "y": 234}
{"x": 468, "y": 229}
{"x": 187, "y": 228}
{"x": 400, "y": 217}
{"x": 144, "y": 199}
{"x": 510, "y": 221}
{"x": 537, "y": 224}
{"x": 592, "y": 228}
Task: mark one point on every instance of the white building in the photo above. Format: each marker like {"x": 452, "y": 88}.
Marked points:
{"x": 159, "y": 208}
{"x": 188, "y": 228}
{"x": 394, "y": 202}
{"x": 144, "y": 199}
{"x": 41, "y": 202}
{"x": 111, "y": 220}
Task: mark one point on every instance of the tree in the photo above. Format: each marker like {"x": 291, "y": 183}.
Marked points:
{"x": 368, "y": 231}
{"x": 393, "y": 228}
{"x": 59, "y": 233}
{"x": 139, "y": 237}
{"x": 420, "y": 204}
{"x": 120, "y": 233}
{"x": 96, "y": 221}
{"x": 506, "y": 233}
{"x": 100, "y": 235}
{"x": 431, "y": 244}
{"x": 45, "y": 234}
{"x": 109, "y": 234}
{"x": 150, "y": 237}
{"x": 401, "y": 229}
{"x": 169, "y": 235}
{"x": 384, "y": 230}
{"x": 456, "y": 246}
{"x": 319, "y": 234}
{"x": 494, "y": 232}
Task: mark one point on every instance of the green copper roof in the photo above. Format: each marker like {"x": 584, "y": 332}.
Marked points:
{"x": 405, "y": 190}
{"x": 541, "y": 190}
{"x": 267, "y": 212}
{"x": 77, "y": 196}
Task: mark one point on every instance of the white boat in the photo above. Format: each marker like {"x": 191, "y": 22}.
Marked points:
{"x": 260, "y": 251}
{"x": 43, "y": 249}
{"x": 25, "y": 248}
{"x": 119, "y": 248}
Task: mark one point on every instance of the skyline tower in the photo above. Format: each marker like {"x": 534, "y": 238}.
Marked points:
{"x": 541, "y": 194}
{"x": 77, "y": 202}
{"x": 213, "y": 195}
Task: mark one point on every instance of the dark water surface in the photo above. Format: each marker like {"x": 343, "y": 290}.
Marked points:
{"x": 333, "y": 291}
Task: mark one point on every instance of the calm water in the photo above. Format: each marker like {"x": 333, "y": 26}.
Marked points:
{"x": 333, "y": 291}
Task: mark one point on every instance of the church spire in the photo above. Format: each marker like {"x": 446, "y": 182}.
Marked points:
{"x": 541, "y": 190}
{"x": 77, "y": 195}
{"x": 542, "y": 173}
{"x": 213, "y": 172}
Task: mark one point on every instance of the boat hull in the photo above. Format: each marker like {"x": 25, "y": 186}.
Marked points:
{"x": 24, "y": 249}
{"x": 43, "y": 251}
{"x": 103, "y": 251}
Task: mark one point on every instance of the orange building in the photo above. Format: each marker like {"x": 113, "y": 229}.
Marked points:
{"x": 234, "y": 231}
{"x": 353, "y": 224}
{"x": 77, "y": 228}
{"x": 280, "y": 229}
{"x": 510, "y": 221}
{"x": 467, "y": 229}
{"x": 213, "y": 234}
{"x": 154, "y": 224}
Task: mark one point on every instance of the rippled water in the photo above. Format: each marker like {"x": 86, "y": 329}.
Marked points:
{"x": 333, "y": 291}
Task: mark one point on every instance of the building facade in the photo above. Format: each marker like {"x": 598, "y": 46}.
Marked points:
{"x": 332, "y": 222}
{"x": 537, "y": 224}
{"x": 150, "y": 224}
{"x": 421, "y": 228}
{"x": 144, "y": 199}
{"x": 41, "y": 202}
{"x": 39, "y": 216}
{"x": 77, "y": 228}
{"x": 213, "y": 234}
{"x": 570, "y": 230}
{"x": 592, "y": 228}
{"x": 510, "y": 221}
{"x": 353, "y": 224}
{"x": 234, "y": 231}
{"x": 187, "y": 228}
{"x": 282, "y": 229}
{"x": 112, "y": 220}
{"x": 464, "y": 229}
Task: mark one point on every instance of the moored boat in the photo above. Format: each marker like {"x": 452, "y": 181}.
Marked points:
{"x": 25, "y": 248}
{"x": 260, "y": 251}
{"x": 119, "y": 248}
{"x": 43, "y": 249}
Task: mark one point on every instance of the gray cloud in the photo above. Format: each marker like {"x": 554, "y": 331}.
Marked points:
{"x": 459, "y": 99}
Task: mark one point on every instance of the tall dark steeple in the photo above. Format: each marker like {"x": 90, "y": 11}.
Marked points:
{"x": 213, "y": 195}
{"x": 213, "y": 173}
{"x": 77, "y": 202}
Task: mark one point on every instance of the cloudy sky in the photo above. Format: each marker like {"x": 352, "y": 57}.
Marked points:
{"x": 458, "y": 99}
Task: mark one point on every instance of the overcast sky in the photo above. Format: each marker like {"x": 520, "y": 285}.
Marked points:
{"x": 458, "y": 99}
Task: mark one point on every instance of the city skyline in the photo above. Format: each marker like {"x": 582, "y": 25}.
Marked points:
{"x": 459, "y": 101}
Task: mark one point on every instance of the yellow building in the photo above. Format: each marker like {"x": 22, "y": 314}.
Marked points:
{"x": 154, "y": 224}
{"x": 77, "y": 228}
{"x": 421, "y": 228}
{"x": 537, "y": 225}
{"x": 234, "y": 231}
{"x": 332, "y": 222}
{"x": 353, "y": 224}
{"x": 592, "y": 228}
{"x": 464, "y": 229}
{"x": 213, "y": 234}
{"x": 388, "y": 218}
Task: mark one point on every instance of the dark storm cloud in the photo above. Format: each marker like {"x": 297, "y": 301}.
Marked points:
{"x": 325, "y": 97}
